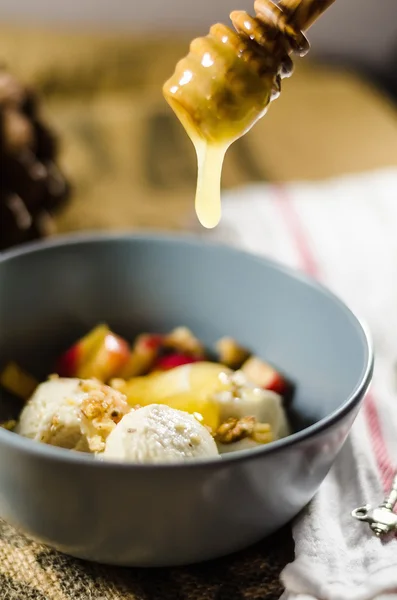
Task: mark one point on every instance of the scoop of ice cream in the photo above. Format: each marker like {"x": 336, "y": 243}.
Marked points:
{"x": 72, "y": 413}
{"x": 159, "y": 434}
{"x": 244, "y": 399}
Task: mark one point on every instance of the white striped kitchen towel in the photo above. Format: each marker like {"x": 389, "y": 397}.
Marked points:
{"x": 344, "y": 233}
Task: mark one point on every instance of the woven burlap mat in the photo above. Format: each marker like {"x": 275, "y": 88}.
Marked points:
{"x": 29, "y": 571}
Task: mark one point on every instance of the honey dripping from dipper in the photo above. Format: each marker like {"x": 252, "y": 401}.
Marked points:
{"x": 227, "y": 80}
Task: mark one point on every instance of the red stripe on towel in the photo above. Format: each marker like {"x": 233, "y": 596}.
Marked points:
{"x": 310, "y": 265}
{"x": 378, "y": 443}
{"x": 297, "y": 232}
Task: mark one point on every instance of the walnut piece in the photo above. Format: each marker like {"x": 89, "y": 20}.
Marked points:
{"x": 101, "y": 410}
{"x": 183, "y": 340}
{"x": 262, "y": 433}
{"x": 231, "y": 353}
{"x": 234, "y": 430}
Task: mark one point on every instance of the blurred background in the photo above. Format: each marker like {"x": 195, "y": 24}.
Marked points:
{"x": 121, "y": 159}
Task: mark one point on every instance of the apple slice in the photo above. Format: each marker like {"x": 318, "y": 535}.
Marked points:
{"x": 101, "y": 354}
{"x": 143, "y": 356}
{"x": 72, "y": 360}
{"x": 265, "y": 376}
{"x": 107, "y": 360}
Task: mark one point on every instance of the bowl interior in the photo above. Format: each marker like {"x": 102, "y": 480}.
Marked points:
{"x": 55, "y": 293}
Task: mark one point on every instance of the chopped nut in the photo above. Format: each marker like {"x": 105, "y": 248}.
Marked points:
{"x": 262, "y": 433}
{"x": 117, "y": 383}
{"x": 234, "y": 430}
{"x": 231, "y": 353}
{"x": 55, "y": 422}
{"x": 195, "y": 439}
{"x": 96, "y": 444}
{"x": 183, "y": 340}
{"x": 101, "y": 410}
{"x": 90, "y": 385}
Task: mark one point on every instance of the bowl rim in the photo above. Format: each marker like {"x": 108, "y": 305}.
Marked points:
{"x": 47, "y": 452}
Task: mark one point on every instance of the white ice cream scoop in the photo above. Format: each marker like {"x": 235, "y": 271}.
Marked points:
{"x": 159, "y": 434}
{"x": 244, "y": 399}
{"x": 72, "y": 413}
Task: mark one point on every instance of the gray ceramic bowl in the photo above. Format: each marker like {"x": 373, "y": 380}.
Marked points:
{"x": 172, "y": 515}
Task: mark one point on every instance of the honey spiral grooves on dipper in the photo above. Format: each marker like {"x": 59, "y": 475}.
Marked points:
{"x": 224, "y": 84}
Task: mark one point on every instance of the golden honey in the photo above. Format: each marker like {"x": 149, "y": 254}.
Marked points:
{"x": 227, "y": 80}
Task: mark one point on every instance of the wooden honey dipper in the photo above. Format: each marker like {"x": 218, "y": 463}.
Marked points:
{"x": 227, "y": 80}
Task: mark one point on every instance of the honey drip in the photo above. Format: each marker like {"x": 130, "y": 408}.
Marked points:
{"x": 208, "y": 192}
{"x": 226, "y": 82}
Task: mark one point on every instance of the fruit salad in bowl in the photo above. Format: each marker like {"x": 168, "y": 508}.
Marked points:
{"x": 173, "y": 401}
{"x": 162, "y": 398}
